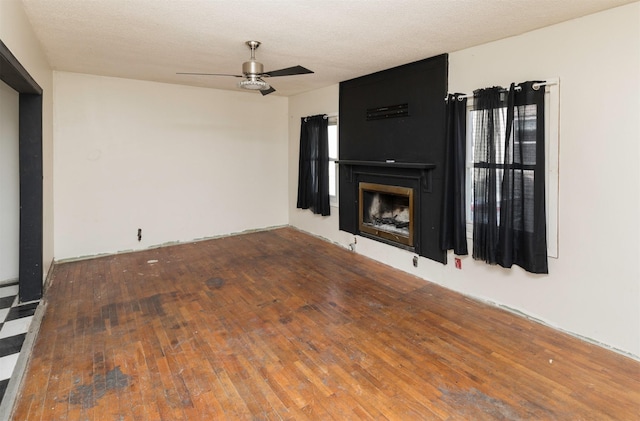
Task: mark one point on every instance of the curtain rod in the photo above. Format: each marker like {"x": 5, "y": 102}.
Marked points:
{"x": 325, "y": 116}
{"x": 535, "y": 86}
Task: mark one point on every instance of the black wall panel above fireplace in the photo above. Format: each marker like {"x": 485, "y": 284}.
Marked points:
{"x": 414, "y": 135}
{"x": 389, "y": 121}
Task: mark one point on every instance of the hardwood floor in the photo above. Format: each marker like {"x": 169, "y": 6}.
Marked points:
{"x": 282, "y": 325}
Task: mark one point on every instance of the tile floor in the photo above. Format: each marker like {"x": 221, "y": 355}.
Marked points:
{"x": 15, "y": 319}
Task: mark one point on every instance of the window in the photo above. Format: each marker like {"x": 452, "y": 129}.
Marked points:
{"x": 333, "y": 157}
{"x": 473, "y": 129}
{"x": 551, "y": 151}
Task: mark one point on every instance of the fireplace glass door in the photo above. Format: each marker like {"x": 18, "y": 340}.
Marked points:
{"x": 386, "y": 212}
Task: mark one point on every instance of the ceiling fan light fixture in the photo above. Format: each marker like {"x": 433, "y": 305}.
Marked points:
{"x": 253, "y": 84}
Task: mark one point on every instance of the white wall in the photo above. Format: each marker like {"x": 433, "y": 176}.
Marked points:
{"x": 179, "y": 162}
{"x": 17, "y": 35}
{"x": 593, "y": 288}
{"x": 9, "y": 184}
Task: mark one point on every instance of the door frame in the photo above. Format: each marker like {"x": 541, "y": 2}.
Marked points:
{"x": 30, "y": 267}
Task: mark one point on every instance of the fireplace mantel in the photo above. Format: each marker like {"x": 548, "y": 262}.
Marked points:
{"x": 424, "y": 168}
{"x": 389, "y": 164}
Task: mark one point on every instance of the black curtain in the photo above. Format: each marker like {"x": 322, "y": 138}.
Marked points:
{"x": 523, "y": 238}
{"x": 509, "y": 223}
{"x": 490, "y": 116}
{"x": 313, "y": 165}
{"x": 453, "y": 226}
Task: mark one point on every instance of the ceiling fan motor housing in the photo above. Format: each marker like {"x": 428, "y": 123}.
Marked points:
{"x": 252, "y": 67}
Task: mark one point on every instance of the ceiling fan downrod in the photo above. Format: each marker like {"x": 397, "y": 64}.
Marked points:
{"x": 252, "y": 67}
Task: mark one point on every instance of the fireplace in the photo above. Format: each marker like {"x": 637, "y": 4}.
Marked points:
{"x": 386, "y": 212}
{"x": 404, "y": 200}
{"x": 392, "y": 133}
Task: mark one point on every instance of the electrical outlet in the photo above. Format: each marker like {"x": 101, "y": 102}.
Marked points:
{"x": 139, "y": 234}
{"x": 458, "y": 263}
{"x": 415, "y": 261}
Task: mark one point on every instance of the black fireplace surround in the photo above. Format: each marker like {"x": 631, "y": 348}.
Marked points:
{"x": 392, "y": 129}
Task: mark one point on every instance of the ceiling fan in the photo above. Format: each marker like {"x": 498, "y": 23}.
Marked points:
{"x": 253, "y": 72}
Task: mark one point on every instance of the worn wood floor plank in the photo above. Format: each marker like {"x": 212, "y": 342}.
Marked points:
{"x": 279, "y": 325}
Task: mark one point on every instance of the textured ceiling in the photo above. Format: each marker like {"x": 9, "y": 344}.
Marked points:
{"x": 337, "y": 39}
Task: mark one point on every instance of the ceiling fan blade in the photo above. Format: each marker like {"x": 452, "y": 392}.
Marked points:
{"x": 208, "y": 74}
{"x": 267, "y": 91}
{"x": 289, "y": 71}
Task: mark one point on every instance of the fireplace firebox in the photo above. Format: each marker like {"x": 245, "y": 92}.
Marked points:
{"x": 387, "y": 212}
